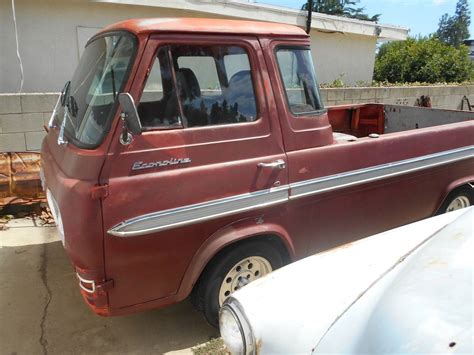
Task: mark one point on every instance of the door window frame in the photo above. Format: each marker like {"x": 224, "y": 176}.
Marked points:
{"x": 295, "y": 123}
{"x": 313, "y": 114}
{"x": 199, "y": 40}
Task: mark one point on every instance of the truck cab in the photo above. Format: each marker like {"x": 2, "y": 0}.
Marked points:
{"x": 192, "y": 156}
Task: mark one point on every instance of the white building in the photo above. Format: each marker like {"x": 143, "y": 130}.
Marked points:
{"x": 52, "y": 34}
{"x": 470, "y": 44}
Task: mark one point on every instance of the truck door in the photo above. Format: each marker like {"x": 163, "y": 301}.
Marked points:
{"x": 211, "y": 153}
{"x": 305, "y": 128}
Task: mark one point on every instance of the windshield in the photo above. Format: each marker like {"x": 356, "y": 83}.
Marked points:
{"x": 88, "y": 103}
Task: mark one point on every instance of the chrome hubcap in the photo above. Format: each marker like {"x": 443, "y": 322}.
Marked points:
{"x": 245, "y": 271}
{"x": 458, "y": 203}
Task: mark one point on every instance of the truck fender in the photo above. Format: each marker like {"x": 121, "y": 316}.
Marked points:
{"x": 453, "y": 186}
{"x": 232, "y": 233}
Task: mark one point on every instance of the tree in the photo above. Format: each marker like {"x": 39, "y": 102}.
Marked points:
{"x": 424, "y": 59}
{"x": 345, "y": 8}
{"x": 454, "y": 30}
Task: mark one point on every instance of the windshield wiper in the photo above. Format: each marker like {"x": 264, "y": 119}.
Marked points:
{"x": 61, "y": 101}
{"x": 61, "y": 137}
{"x": 64, "y": 93}
{"x": 70, "y": 108}
{"x": 71, "y": 105}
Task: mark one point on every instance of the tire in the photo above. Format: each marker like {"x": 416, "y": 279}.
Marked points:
{"x": 457, "y": 199}
{"x": 255, "y": 258}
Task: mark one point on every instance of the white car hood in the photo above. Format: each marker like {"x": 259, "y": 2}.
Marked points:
{"x": 292, "y": 309}
{"x": 424, "y": 305}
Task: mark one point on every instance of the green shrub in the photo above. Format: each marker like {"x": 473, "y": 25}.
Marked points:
{"x": 423, "y": 60}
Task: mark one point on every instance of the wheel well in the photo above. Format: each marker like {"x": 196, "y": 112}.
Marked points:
{"x": 467, "y": 186}
{"x": 274, "y": 240}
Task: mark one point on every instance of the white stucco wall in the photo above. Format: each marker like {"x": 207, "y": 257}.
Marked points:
{"x": 348, "y": 56}
{"x": 51, "y": 33}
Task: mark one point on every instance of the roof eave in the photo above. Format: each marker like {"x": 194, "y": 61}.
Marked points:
{"x": 270, "y": 13}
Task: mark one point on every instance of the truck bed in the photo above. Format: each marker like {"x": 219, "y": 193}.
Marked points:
{"x": 363, "y": 119}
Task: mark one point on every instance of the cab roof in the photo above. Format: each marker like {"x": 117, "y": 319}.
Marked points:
{"x": 204, "y": 25}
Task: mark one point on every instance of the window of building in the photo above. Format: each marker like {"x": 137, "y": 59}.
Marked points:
{"x": 212, "y": 86}
{"x": 299, "y": 79}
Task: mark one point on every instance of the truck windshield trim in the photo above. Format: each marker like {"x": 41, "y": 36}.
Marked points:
{"x": 313, "y": 105}
{"x": 90, "y": 102}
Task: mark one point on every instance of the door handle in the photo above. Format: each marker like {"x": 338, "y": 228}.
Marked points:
{"x": 277, "y": 164}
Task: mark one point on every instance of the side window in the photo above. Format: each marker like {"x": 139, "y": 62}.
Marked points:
{"x": 158, "y": 107}
{"x": 154, "y": 86}
{"x": 299, "y": 79}
{"x": 206, "y": 72}
{"x": 236, "y": 62}
{"x": 213, "y": 85}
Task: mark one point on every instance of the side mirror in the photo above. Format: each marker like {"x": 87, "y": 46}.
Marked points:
{"x": 130, "y": 114}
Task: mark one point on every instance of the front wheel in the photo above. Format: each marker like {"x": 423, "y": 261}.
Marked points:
{"x": 232, "y": 270}
{"x": 460, "y": 198}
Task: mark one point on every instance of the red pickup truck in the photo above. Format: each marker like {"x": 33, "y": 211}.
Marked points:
{"x": 192, "y": 156}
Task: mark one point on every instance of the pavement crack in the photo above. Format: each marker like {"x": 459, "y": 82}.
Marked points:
{"x": 44, "y": 278}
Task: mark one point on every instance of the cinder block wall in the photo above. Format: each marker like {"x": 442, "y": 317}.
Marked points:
{"x": 22, "y": 116}
{"x": 445, "y": 97}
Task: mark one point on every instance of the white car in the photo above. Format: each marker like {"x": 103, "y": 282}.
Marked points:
{"x": 408, "y": 290}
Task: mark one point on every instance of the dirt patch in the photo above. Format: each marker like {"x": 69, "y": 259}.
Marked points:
{"x": 40, "y": 214}
{"x": 214, "y": 346}
{"x": 4, "y": 220}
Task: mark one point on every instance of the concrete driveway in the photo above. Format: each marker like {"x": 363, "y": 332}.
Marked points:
{"x": 42, "y": 311}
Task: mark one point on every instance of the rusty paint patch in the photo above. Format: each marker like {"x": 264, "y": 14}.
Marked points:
{"x": 458, "y": 236}
{"x": 336, "y": 248}
{"x": 436, "y": 263}
{"x": 258, "y": 347}
{"x": 20, "y": 178}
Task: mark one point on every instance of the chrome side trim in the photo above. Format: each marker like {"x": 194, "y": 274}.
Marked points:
{"x": 182, "y": 216}
{"x": 379, "y": 172}
{"x": 186, "y": 215}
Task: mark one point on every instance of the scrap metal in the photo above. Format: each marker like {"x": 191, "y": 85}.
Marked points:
{"x": 20, "y": 179}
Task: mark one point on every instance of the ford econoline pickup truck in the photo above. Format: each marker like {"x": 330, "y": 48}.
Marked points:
{"x": 188, "y": 157}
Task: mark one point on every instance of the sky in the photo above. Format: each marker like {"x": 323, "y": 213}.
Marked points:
{"x": 420, "y": 16}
